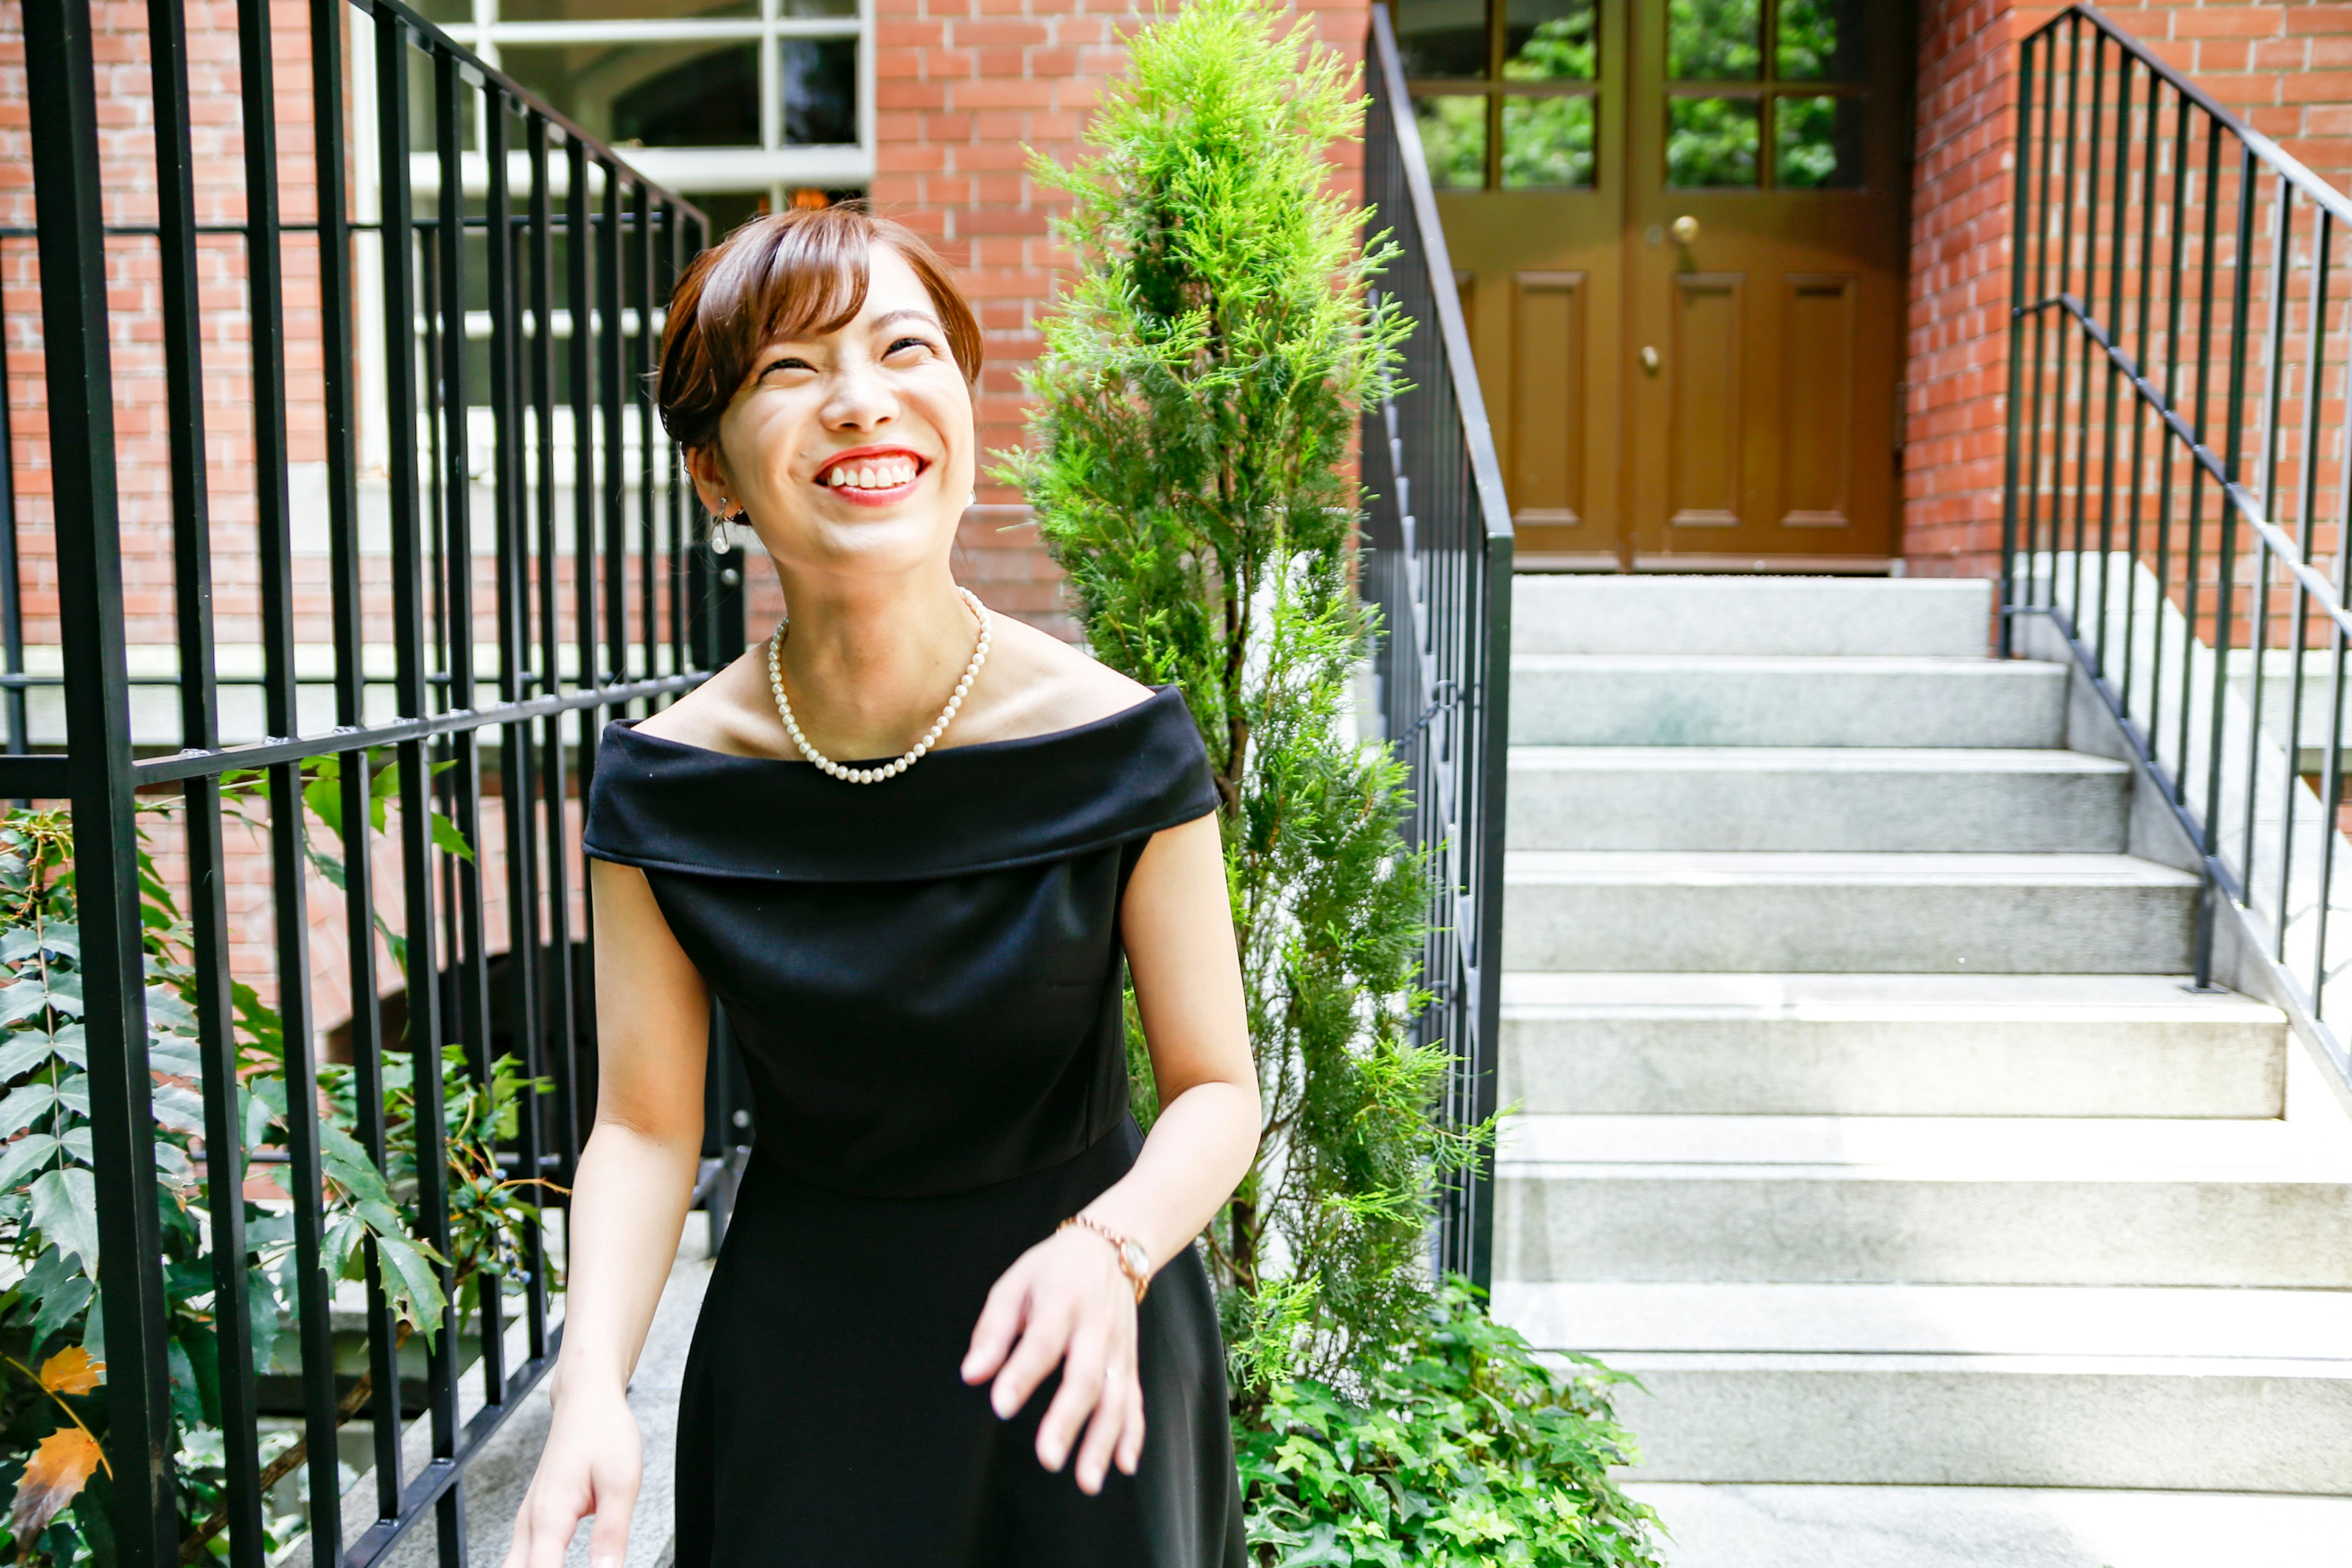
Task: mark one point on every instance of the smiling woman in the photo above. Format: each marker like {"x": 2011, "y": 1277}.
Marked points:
{"x": 956, "y": 1268}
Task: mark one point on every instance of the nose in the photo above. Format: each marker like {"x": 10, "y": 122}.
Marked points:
{"x": 860, "y": 397}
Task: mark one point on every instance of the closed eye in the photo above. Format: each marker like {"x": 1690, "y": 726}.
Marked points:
{"x": 789, "y": 361}
{"x": 923, "y": 343}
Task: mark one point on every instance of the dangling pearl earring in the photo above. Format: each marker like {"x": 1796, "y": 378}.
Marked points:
{"x": 720, "y": 543}
{"x": 971, "y": 501}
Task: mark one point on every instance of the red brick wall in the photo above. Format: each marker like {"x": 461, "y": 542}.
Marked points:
{"x": 965, "y": 89}
{"x": 2287, "y": 69}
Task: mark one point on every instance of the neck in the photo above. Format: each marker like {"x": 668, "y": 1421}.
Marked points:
{"x": 868, "y": 663}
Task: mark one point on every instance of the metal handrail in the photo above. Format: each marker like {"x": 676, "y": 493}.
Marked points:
{"x": 622, "y": 243}
{"x": 2164, "y": 246}
{"x": 1439, "y": 551}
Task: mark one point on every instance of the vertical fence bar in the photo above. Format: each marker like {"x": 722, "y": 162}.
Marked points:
{"x": 641, "y": 361}
{"x": 2020, "y": 227}
{"x": 201, "y": 797}
{"x": 561, "y": 1023}
{"x": 61, "y": 89}
{"x": 289, "y": 857}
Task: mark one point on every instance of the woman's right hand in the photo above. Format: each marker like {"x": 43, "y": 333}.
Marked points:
{"x": 593, "y": 1463}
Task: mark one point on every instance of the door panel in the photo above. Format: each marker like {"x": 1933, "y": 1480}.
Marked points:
{"x": 1704, "y": 434}
{"x": 1565, "y": 138}
{"x": 1545, "y": 477}
{"x": 1817, "y": 402}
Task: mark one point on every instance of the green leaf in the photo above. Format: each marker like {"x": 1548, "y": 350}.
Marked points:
{"x": 26, "y": 1050}
{"x": 61, "y": 1306}
{"x": 447, "y": 837}
{"x": 411, "y": 1279}
{"x": 179, "y": 1109}
{"x": 73, "y": 1093}
{"x": 26, "y": 1105}
{"x": 323, "y": 794}
{"x": 22, "y": 1158}
{"x": 64, "y": 1209}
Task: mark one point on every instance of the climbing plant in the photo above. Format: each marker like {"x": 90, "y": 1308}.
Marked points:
{"x": 53, "y": 1395}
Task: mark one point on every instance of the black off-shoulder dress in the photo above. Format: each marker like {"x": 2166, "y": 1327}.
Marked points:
{"x": 925, "y": 977}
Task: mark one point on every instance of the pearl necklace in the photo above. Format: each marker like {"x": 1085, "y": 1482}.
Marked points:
{"x": 914, "y": 754}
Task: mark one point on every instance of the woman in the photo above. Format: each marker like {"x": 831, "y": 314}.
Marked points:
{"x": 928, "y": 1341}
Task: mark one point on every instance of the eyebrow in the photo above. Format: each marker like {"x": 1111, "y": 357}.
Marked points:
{"x": 906, "y": 313}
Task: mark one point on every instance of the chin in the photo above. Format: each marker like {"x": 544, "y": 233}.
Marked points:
{"x": 892, "y": 539}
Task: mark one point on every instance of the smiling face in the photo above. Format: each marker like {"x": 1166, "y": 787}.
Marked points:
{"x": 851, "y": 451}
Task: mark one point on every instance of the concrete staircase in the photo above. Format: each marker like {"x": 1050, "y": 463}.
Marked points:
{"x": 1862, "y": 1112}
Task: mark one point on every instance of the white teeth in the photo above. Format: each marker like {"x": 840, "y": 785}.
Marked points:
{"x": 885, "y": 475}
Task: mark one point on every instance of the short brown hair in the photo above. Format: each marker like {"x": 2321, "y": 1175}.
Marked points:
{"x": 786, "y": 275}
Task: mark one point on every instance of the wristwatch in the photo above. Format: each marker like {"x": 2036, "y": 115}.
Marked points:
{"x": 1133, "y": 1260}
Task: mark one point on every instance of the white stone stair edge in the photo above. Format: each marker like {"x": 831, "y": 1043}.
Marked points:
{"x": 2243, "y": 956}
{"x": 1764, "y": 1526}
{"x": 1546, "y": 759}
{"x": 1756, "y": 614}
{"x": 1834, "y": 997}
{"x": 1974, "y": 1148}
{"x": 2131, "y": 1325}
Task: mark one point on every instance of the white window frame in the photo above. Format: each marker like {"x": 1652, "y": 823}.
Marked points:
{"x": 770, "y": 169}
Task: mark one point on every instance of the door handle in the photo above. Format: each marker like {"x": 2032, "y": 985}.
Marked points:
{"x": 1686, "y": 229}
{"x": 1649, "y": 359}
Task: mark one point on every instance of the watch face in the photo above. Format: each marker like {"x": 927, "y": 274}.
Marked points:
{"x": 1138, "y": 1261}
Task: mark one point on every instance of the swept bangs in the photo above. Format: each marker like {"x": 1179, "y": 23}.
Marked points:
{"x": 795, "y": 274}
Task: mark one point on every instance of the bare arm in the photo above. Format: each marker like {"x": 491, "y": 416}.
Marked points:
{"x": 1065, "y": 1301}
{"x": 628, "y": 1206}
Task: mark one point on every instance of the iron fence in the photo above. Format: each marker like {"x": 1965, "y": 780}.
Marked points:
{"x": 506, "y": 564}
{"x": 2176, "y": 489}
{"x": 1437, "y": 564}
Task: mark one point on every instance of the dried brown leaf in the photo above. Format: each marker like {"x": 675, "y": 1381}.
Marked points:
{"x": 71, "y": 1370}
{"x": 60, "y": 1467}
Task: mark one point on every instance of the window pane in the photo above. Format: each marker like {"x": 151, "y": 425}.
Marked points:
{"x": 1550, "y": 40}
{"x": 1443, "y": 37}
{"x": 445, "y": 11}
{"x": 1547, "y": 142}
{"x": 1453, "y": 139}
{"x": 1711, "y": 141}
{"x": 804, "y": 8}
{"x": 1715, "y": 40}
{"x": 613, "y": 10}
{"x": 1821, "y": 40}
{"x": 651, "y": 95}
{"x": 1819, "y": 142}
{"x": 818, "y": 78}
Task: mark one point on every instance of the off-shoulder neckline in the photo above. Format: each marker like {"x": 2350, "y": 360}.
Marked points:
{"x": 1073, "y": 732}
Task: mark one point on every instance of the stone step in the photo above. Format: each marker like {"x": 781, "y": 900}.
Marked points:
{"x": 1818, "y": 797}
{"x": 1923, "y": 1200}
{"x": 1888, "y": 1045}
{"x": 1731, "y": 1526}
{"x": 1647, "y": 699}
{"x": 2005, "y": 914}
{"x": 1582, "y": 614}
{"x": 1969, "y": 1385}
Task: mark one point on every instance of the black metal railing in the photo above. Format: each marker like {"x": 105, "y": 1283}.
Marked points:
{"x": 502, "y": 525}
{"x": 1437, "y": 564}
{"x": 2177, "y": 489}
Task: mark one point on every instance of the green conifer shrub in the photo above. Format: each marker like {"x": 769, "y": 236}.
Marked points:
{"x": 1191, "y": 469}
{"x": 1195, "y": 406}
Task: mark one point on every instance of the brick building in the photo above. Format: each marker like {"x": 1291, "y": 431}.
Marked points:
{"x": 1571, "y": 141}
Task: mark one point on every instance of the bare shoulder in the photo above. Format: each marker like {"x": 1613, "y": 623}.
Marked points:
{"x": 1037, "y": 684}
{"x": 730, "y": 712}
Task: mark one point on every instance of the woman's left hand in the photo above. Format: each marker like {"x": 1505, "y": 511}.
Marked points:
{"x": 1065, "y": 1302}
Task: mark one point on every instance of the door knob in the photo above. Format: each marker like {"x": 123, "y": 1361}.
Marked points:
{"x": 1649, "y": 359}
{"x": 1686, "y": 229}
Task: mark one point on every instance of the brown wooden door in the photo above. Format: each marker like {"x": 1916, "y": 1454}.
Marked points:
{"x": 1679, "y": 226}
